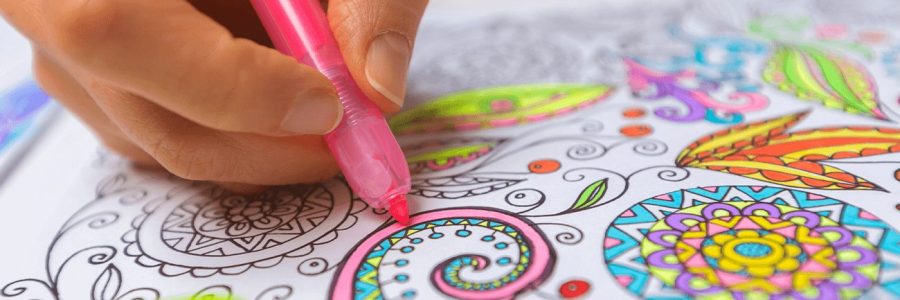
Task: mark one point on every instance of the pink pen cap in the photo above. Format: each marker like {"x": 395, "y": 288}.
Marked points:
{"x": 362, "y": 143}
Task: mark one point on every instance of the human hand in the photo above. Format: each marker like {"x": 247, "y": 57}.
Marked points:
{"x": 191, "y": 86}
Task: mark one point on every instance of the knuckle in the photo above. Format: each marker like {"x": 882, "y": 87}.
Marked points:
{"x": 232, "y": 102}
{"x": 188, "y": 166}
{"x": 215, "y": 107}
{"x": 78, "y": 26}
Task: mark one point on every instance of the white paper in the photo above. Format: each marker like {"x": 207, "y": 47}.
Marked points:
{"x": 576, "y": 191}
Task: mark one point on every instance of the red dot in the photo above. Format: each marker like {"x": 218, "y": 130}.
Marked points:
{"x": 544, "y": 166}
{"x": 636, "y": 130}
{"x": 897, "y": 174}
{"x": 574, "y": 288}
{"x": 633, "y": 112}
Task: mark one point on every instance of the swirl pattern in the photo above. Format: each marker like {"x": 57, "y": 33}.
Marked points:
{"x": 512, "y": 257}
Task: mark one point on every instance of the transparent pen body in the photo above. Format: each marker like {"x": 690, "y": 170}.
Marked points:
{"x": 380, "y": 169}
{"x": 363, "y": 145}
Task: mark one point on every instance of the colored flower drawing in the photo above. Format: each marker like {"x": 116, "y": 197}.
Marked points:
{"x": 746, "y": 251}
{"x": 832, "y": 80}
{"x": 497, "y": 107}
{"x": 766, "y": 151}
{"x": 751, "y": 242}
{"x": 693, "y": 92}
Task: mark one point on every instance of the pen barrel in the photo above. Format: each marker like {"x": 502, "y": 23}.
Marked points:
{"x": 364, "y": 147}
{"x": 357, "y": 106}
{"x": 299, "y": 28}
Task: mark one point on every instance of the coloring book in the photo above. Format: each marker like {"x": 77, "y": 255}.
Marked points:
{"x": 646, "y": 150}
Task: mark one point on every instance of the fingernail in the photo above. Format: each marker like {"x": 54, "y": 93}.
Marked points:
{"x": 314, "y": 113}
{"x": 387, "y": 64}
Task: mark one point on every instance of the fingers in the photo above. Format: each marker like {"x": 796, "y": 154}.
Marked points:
{"x": 376, "y": 38}
{"x": 243, "y": 189}
{"x": 171, "y": 54}
{"x": 238, "y": 16}
{"x": 23, "y": 15}
{"x": 66, "y": 90}
{"x": 195, "y": 152}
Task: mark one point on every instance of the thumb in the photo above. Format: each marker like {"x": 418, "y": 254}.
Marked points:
{"x": 376, "y": 38}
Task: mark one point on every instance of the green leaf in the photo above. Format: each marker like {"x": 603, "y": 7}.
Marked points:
{"x": 591, "y": 195}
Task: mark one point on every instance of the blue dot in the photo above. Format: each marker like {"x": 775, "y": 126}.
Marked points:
{"x": 436, "y": 235}
{"x": 407, "y": 249}
{"x": 504, "y": 261}
{"x": 463, "y": 233}
{"x": 416, "y": 241}
{"x": 409, "y": 294}
{"x": 401, "y": 262}
{"x": 401, "y": 277}
{"x": 487, "y": 238}
{"x": 501, "y": 245}
{"x": 754, "y": 250}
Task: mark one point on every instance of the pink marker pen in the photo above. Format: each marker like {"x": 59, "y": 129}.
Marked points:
{"x": 362, "y": 144}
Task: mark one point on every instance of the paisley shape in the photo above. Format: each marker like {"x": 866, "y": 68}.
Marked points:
{"x": 766, "y": 151}
{"x": 438, "y": 155}
{"x": 830, "y": 144}
{"x": 737, "y": 137}
{"x": 834, "y": 81}
{"x": 478, "y": 254}
{"x": 787, "y": 171}
{"x": 497, "y": 107}
{"x": 591, "y": 195}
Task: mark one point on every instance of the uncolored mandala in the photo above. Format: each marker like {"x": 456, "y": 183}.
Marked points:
{"x": 752, "y": 242}
{"x": 213, "y": 232}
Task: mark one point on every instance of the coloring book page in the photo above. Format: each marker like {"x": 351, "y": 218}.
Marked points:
{"x": 646, "y": 150}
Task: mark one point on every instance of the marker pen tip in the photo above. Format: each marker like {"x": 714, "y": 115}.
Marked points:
{"x": 399, "y": 210}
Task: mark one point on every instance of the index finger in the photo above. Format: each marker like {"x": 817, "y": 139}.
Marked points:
{"x": 177, "y": 57}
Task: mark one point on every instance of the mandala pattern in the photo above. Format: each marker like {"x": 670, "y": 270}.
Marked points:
{"x": 217, "y": 232}
{"x": 512, "y": 257}
{"x": 751, "y": 242}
